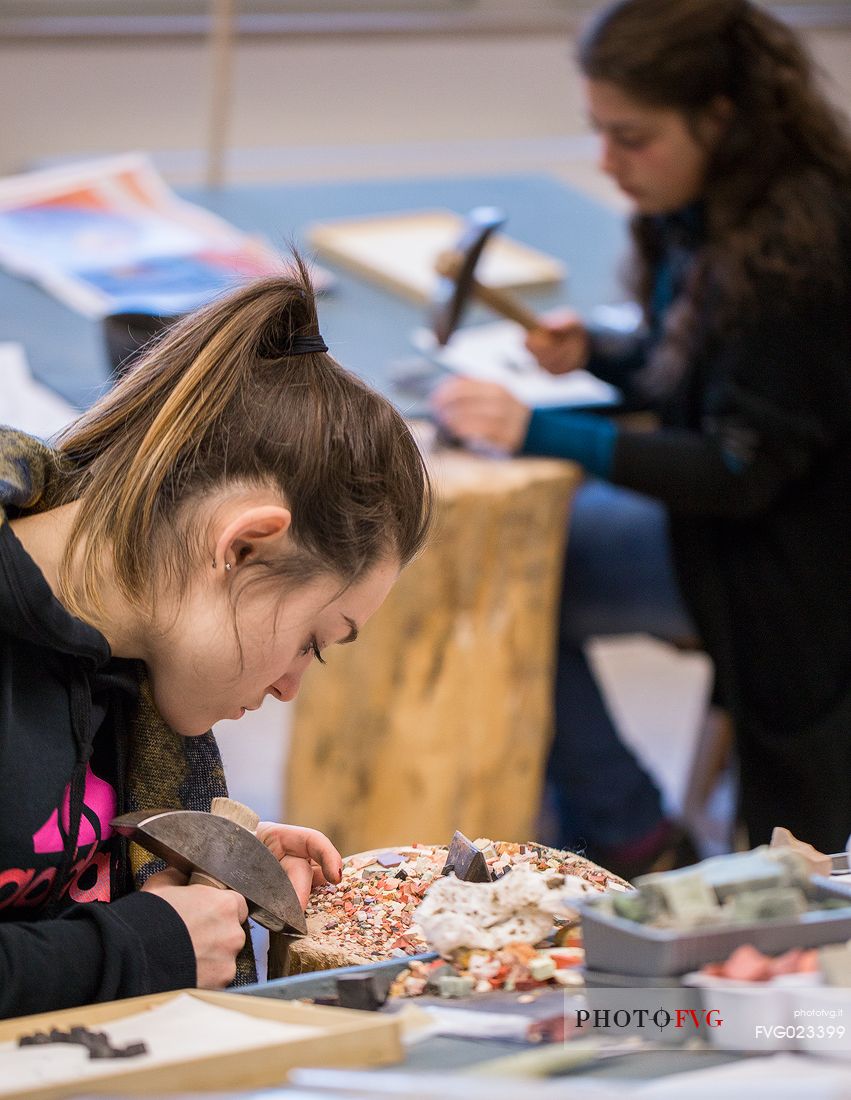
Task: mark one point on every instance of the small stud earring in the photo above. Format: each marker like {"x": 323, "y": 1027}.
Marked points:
{"x": 227, "y": 567}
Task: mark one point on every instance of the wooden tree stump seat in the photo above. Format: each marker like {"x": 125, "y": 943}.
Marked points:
{"x": 440, "y": 717}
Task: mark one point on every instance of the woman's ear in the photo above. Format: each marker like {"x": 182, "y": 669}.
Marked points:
{"x": 256, "y": 531}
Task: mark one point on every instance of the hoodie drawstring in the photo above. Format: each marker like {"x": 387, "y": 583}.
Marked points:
{"x": 119, "y": 685}
{"x": 84, "y": 735}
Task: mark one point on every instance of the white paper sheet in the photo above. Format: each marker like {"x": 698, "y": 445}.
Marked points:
{"x": 337, "y": 1084}
{"x": 496, "y": 352}
{"x": 176, "y": 1031}
{"x": 780, "y": 1077}
{"x": 25, "y": 403}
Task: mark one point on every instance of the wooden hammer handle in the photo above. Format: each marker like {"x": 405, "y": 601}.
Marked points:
{"x": 236, "y": 812}
{"x": 198, "y": 878}
{"x": 505, "y": 304}
{"x": 240, "y": 815}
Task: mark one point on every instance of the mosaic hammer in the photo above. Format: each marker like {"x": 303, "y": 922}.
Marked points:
{"x": 220, "y": 849}
{"x": 457, "y": 283}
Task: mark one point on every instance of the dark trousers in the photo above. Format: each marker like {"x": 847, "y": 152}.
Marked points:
{"x": 618, "y": 579}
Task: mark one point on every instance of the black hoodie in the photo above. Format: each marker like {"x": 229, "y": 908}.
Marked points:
{"x": 72, "y": 928}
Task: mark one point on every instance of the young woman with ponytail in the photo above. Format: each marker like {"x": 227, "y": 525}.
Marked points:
{"x": 235, "y": 505}
{"x": 732, "y": 520}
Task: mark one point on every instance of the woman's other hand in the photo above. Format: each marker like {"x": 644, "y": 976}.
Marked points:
{"x": 482, "y": 413}
{"x": 308, "y": 856}
{"x": 561, "y": 343}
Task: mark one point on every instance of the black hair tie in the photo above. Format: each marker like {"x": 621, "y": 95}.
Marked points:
{"x": 307, "y": 345}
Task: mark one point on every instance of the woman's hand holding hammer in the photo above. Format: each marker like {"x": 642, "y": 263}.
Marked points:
{"x": 560, "y": 343}
{"x": 213, "y": 919}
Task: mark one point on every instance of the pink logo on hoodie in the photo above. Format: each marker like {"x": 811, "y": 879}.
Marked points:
{"x": 99, "y": 797}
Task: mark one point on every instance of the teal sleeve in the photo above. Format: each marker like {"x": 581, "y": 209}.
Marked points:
{"x": 581, "y": 437}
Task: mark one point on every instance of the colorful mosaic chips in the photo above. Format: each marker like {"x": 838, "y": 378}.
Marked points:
{"x": 371, "y": 913}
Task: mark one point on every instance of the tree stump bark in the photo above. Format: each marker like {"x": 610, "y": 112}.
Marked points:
{"x": 440, "y": 717}
{"x": 290, "y": 955}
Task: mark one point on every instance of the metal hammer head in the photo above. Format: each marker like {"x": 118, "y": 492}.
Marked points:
{"x": 194, "y": 841}
{"x": 466, "y": 861}
{"x": 453, "y": 290}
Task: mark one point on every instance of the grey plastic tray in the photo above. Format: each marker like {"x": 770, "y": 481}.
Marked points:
{"x": 624, "y": 947}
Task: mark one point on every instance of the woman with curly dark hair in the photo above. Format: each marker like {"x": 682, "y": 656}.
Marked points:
{"x": 732, "y": 519}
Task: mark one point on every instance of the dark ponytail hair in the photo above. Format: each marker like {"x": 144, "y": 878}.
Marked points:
{"x": 777, "y": 184}
{"x": 220, "y": 400}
